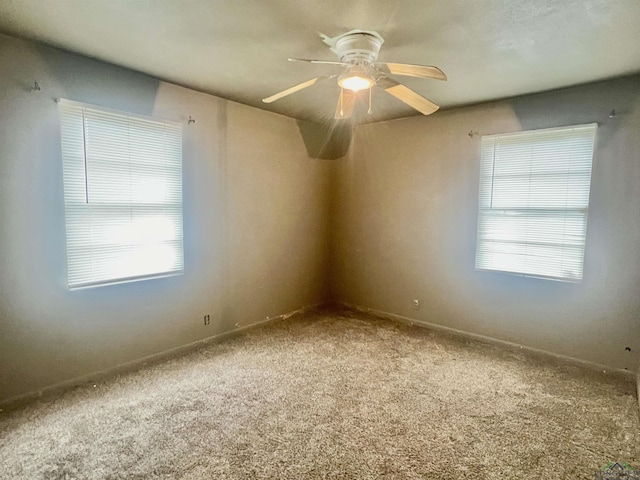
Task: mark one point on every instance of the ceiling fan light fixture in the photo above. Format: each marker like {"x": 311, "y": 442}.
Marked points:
{"x": 355, "y": 82}
{"x": 358, "y": 52}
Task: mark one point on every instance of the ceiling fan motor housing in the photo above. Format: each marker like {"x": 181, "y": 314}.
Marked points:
{"x": 355, "y": 48}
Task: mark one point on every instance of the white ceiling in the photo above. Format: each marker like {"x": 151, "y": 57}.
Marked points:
{"x": 238, "y": 49}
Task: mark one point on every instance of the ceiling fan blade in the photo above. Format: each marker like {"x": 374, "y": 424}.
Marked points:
{"x": 346, "y": 102}
{"x": 406, "y": 95}
{"x": 294, "y": 89}
{"x": 421, "y": 71}
{"x": 325, "y": 62}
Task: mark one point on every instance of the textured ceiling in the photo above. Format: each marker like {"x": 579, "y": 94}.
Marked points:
{"x": 238, "y": 49}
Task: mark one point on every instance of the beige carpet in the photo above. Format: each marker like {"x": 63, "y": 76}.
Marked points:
{"x": 331, "y": 394}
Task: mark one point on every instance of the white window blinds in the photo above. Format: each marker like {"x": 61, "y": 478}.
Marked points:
{"x": 534, "y": 195}
{"x": 123, "y": 195}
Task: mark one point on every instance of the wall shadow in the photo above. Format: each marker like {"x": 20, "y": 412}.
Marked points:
{"x": 326, "y": 141}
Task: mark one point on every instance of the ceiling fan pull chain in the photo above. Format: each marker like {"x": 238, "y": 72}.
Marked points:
{"x": 341, "y": 94}
{"x": 369, "y": 111}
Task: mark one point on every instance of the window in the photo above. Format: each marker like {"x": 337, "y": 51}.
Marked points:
{"x": 123, "y": 195}
{"x": 534, "y": 195}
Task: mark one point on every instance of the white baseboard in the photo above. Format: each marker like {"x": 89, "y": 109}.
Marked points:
{"x": 618, "y": 372}
{"x": 57, "y": 388}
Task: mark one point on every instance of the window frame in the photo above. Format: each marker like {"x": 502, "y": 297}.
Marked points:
{"x": 83, "y": 213}
{"x": 528, "y": 211}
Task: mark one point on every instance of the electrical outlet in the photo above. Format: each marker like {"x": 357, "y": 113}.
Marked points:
{"x": 415, "y": 304}
{"x": 207, "y": 319}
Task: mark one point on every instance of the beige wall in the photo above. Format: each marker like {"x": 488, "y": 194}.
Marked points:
{"x": 267, "y": 228}
{"x": 405, "y": 210}
{"x": 255, "y": 224}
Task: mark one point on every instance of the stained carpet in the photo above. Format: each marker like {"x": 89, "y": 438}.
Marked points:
{"x": 331, "y": 394}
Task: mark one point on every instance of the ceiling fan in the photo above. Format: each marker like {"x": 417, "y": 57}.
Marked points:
{"x": 357, "y": 52}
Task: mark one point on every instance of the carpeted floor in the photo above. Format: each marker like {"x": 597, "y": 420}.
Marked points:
{"x": 331, "y": 394}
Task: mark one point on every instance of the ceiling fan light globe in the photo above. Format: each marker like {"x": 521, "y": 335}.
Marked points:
{"x": 355, "y": 83}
